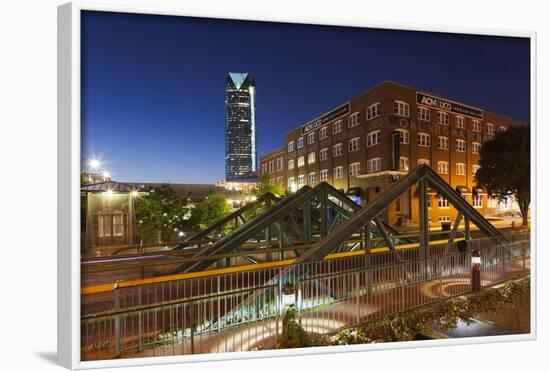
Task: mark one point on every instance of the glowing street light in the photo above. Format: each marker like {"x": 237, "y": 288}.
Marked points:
{"x": 94, "y": 164}
{"x": 106, "y": 175}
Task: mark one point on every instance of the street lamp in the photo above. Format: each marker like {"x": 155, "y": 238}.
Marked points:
{"x": 94, "y": 164}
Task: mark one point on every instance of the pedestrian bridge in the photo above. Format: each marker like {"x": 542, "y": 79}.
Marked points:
{"x": 322, "y": 261}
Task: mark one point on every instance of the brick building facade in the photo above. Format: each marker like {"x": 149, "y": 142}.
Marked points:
{"x": 366, "y": 144}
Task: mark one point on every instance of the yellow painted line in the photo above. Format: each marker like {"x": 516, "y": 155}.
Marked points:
{"x": 101, "y": 288}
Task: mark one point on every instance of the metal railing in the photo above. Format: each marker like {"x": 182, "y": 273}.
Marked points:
{"x": 243, "y": 311}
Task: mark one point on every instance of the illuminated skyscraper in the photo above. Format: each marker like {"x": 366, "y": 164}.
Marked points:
{"x": 241, "y": 149}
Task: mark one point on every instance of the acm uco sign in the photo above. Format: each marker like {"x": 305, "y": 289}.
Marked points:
{"x": 328, "y": 117}
{"x": 446, "y": 105}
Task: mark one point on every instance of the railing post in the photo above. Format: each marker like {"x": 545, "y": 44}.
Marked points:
{"x": 140, "y": 322}
{"x": 358, "y": 295}
{"x": 476, "y": 271}
{"x": 424, "y": 225}
{"x": 116, "y": 306}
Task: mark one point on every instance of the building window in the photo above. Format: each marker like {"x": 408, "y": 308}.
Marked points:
{"x": 443, "y": 143}
{"x": 460, "y": 169}
{"x": 442, "y": 167}
{"x": 291, "y": 184}
{"x": 338, "y": 172}
{"x": 354, "y": 169}
{"x": 337, "y": 150}
{"x": 477, "y": 201}
{"x": 279, "y": 164}
{"x": 492, "y": 202}
{"x": 300, "y": 142}
{"x": 429, "y": 200}
{"x": 424, "y": 139}
{"x": 403, "y": 164}
{"x": 401, "y": 108}
{"x": 403, "y": 136}
{"x": 442, "y": 202}
{"x": 423, "y": 113}
{"x": 323, "y": 133}
{"x": 353, "y": 120}
{"x": 290, "y": 164}
{"x": 353, "y": 144}
{"x": 301, "y": 161}
{"x": 374, "y": 165}
{"x": 323, "y": 154}
{"x": 460, "y": 145}
{"x": 271, "y": 166}
{"x": 264, "y": 168}
{"x": 476, "y": 126}
{"x": 311, "y": 138}
{"x": 475, "y": 147}
{"x": 311, "y": 158}
{"x": 444, "y": 219}
{"x": 373, "y": 138}
{"x": 323, "y": 175}
{"x": 490, "y": 129}
{"x": 443, "y": 118}
{"x": 311, "y": 178}
{"x": 423, "y": 161}
{"x": 503, "y": 128}
{"x": 460, "y": 122}
{"x": 290, "y": 146}
{"x": 301, "y": 180}
{"x": 337, "y": 127}
{"x": 373, "y": 111}
{"x": 475, "y": 168}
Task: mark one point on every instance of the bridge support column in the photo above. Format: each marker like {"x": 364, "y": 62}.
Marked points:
{"x": 116, "y": 301}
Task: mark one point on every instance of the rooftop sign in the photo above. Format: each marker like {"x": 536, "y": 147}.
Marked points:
{"x": 326, "y": 118}
{"x": 446, "y": 105}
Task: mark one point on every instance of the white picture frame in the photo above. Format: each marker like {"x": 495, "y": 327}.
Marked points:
{"x": 69, "y": 184}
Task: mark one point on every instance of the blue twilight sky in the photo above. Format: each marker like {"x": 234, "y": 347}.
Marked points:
{"x": 153, "y": 87}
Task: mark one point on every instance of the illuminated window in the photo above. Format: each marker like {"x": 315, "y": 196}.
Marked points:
{"x": 354, "y": 169}
{"x": 443, "y": 118}
{"x": 477, "y": 201}
{"x": 337, "y": 149}
{"x": 301, "y": 180}
{"x": 300, "y": 142}
{"x": 460, "y": 145}
{"x": 476, "y": 126}
{"x": 460, "y": 122}
{"x": 323, "y": 133}
{"x": 291, "y": 184}
{"x": 423, "y": 161}
{"x": 323, "y": 154}
{"x": 443, "y": 167}
{"x": 311, "y": 138}
{"x": 373, "y": 138}
{"x": 443, "y": 143}
{"x": 373, "y": 111}
{"x": 353, "y": 120}
{"x": 311, "y": 178}
{"x": 423, "y": 113}
{"x": 290, "y": 146}
{"x": 476, "y": 146}
{"x": 401, "y": 108}
{"x": 311, "y": 158}
{"x": 338, "y": 172}
{"x": 490, "y": 129}
{"x": 442, "y": 202}
{"x": 424, "y": 139}
{"x": 353, "y": 144}
{"x": 337, "y": 127}
{"x": 374, "y": 165}
{"x": 475, "y": 168}
{"x": 301, "y": 161}
{"x": 460, "y": 169}
{"x": 323, "y": 175}
{"x": 404, "y": 164}
{"x": 290, "y": 164}
{"x": 403, "y": 136}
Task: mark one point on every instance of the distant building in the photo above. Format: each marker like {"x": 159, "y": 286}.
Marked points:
{"x": 241, "y": 149}
{"x": 365, "y": 145}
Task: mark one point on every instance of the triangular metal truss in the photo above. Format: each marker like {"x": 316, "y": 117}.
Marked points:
{"x": 423, "y": 176}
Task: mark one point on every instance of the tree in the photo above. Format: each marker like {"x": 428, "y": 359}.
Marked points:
{"x": 213, "y": 208}
{"x": 505, "y": 166}
{"x": 161, "y": 210}
{"x": 266, "y": 186}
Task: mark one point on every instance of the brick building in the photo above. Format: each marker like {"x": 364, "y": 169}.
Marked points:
{"x": 366, "y": 144}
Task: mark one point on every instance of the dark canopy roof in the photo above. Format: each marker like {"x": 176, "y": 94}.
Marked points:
{"x": 106, "y": 186}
